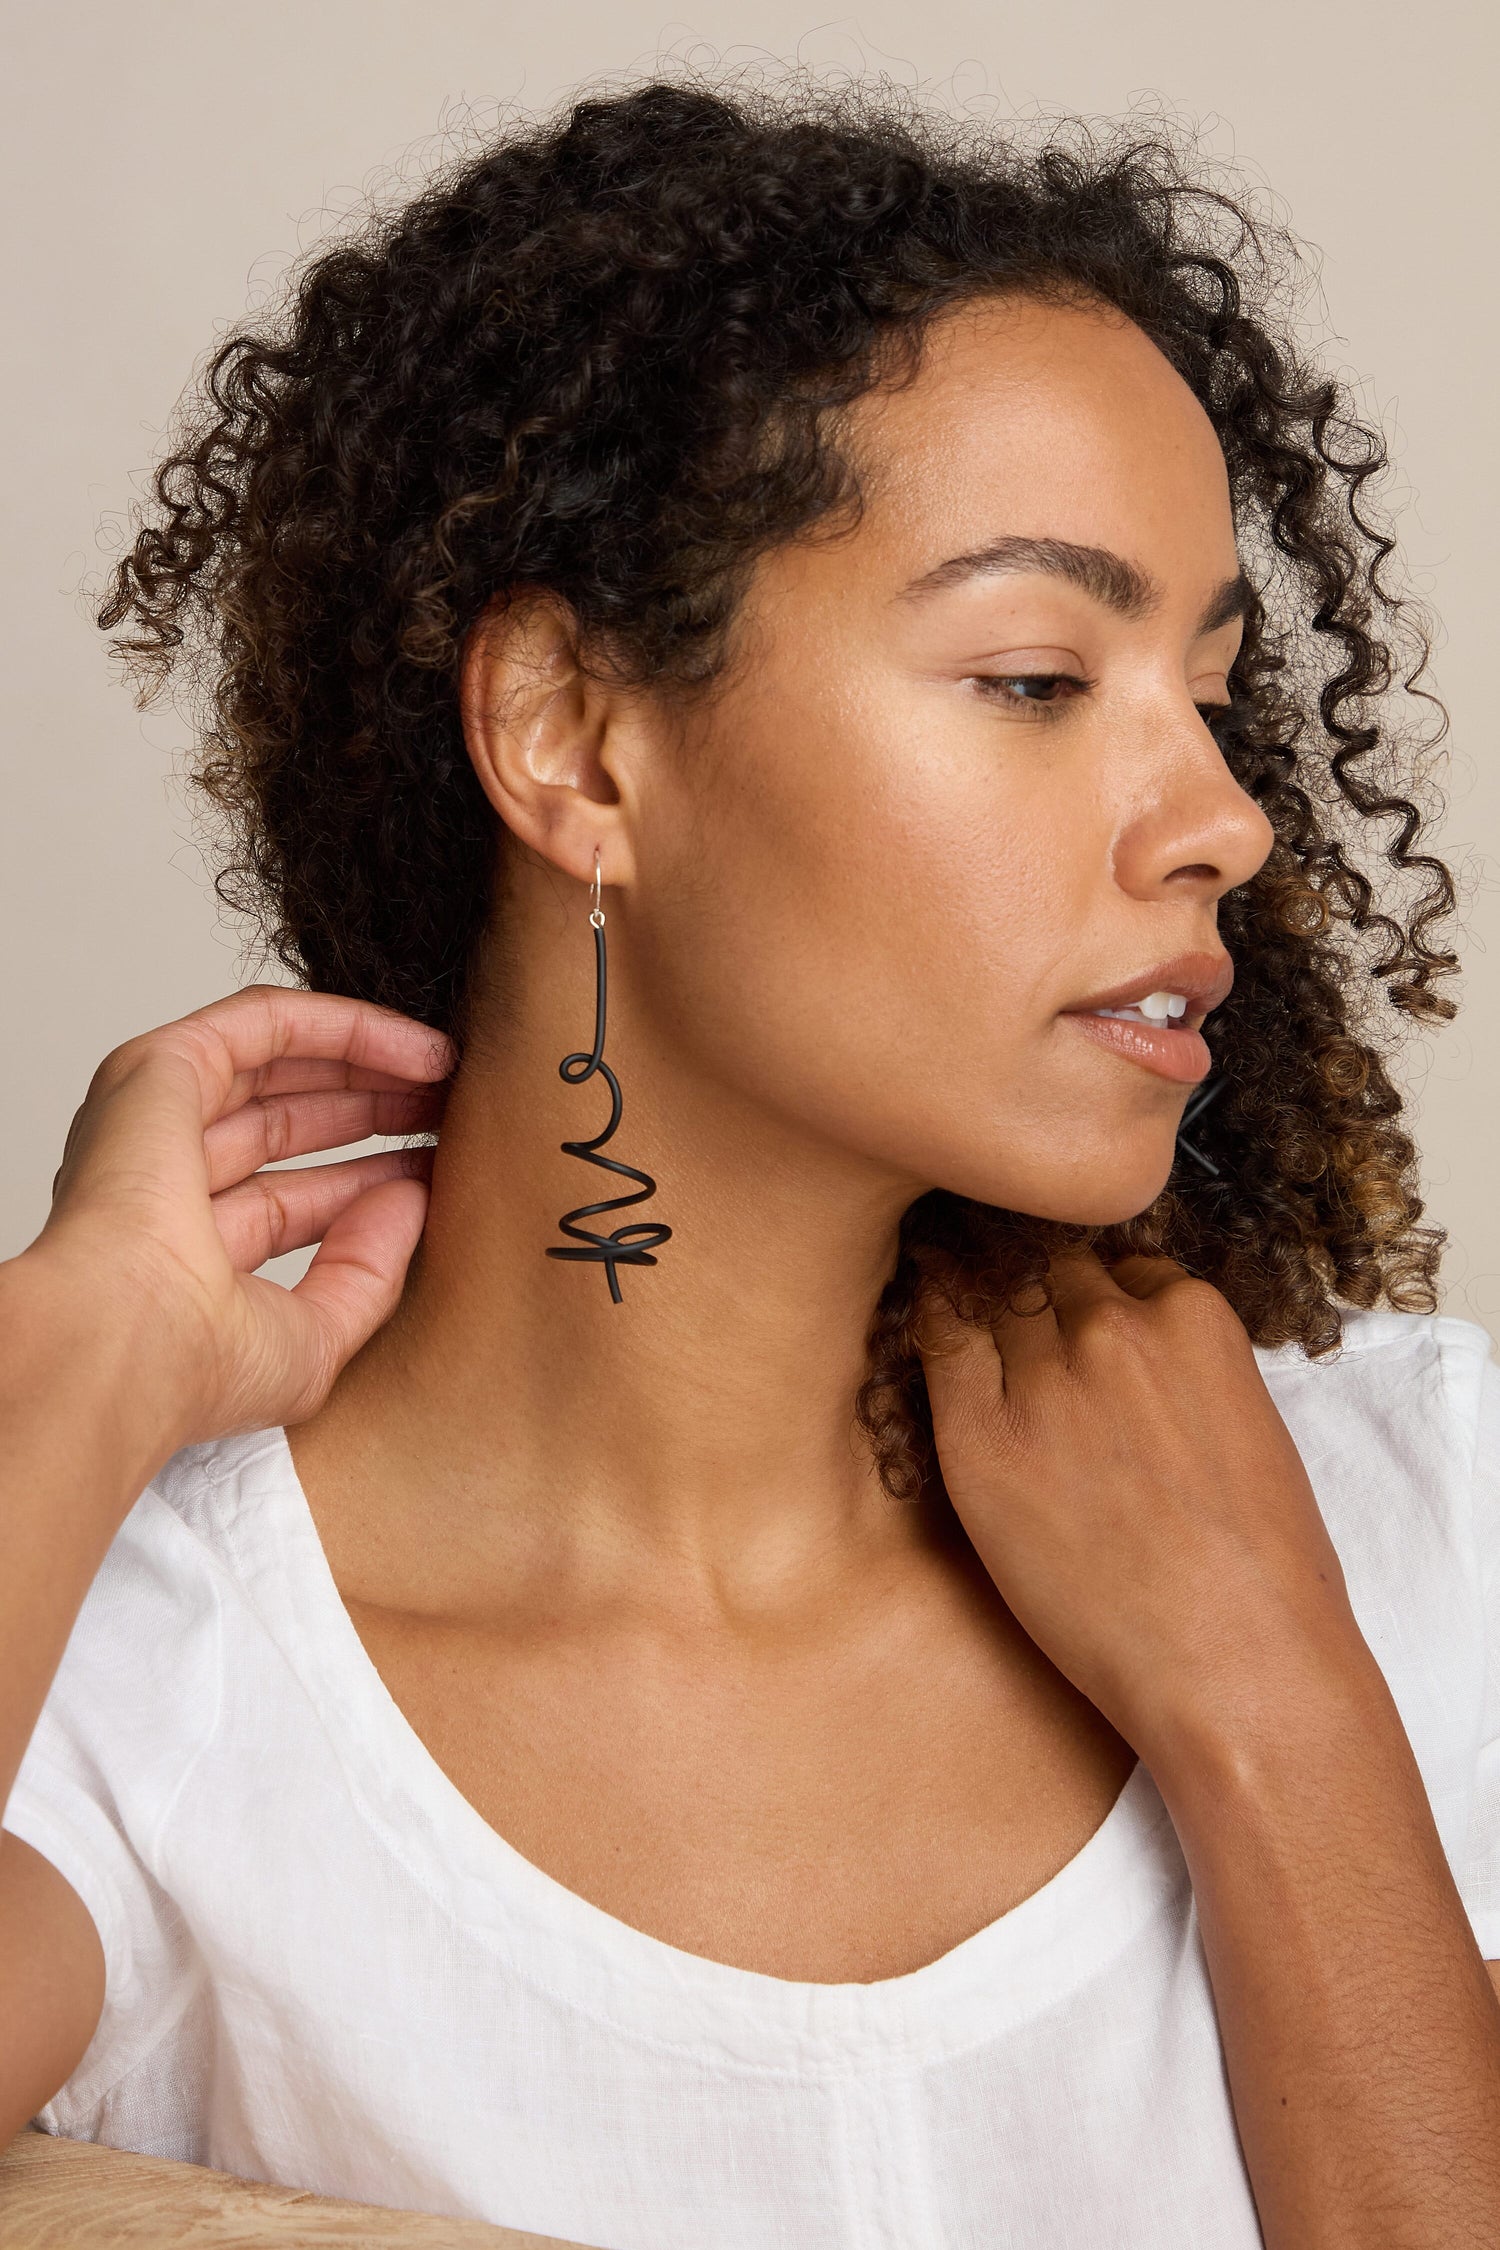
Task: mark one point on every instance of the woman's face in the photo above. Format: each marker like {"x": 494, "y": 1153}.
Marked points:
{"x": 957, "y": 789}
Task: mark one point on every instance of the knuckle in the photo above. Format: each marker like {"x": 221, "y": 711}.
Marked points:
{"x": 278, "y": 1214}
{"x": 70, "y": 1143}
{"x": 277, "y": 1126}
{"x": 132, "y": 1055}
{"x": 191, "y": 1033}
{"x": 1116, "y": 1321}
{"x": 200, "y": 1042}
{"x": 119, "y": 1063}
{"x": 1197, "y": 1301}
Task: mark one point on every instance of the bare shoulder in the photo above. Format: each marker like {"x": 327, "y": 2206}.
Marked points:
{"x": 51, "y": 1981}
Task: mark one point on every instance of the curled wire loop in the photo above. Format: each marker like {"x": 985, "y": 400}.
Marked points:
{"x": 628, "y": 1245}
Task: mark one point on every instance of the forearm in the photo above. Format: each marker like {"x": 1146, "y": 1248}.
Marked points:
{"x": 1359, "y": 2026}
{"x": 80, "y": 1435}
{"x": 76, "y": 2194}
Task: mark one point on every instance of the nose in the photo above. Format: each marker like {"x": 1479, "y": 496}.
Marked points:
{"x": 1190, "y": 829}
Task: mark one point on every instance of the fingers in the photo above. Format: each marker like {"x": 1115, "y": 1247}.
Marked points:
{"x": 1081, "y": 1280}
{"x": 272, "y": 1127}
{"x": 1027, "y": 1337}
{"x": 1024, "y": 1335}
{"x": 241, "y": 1046}
{"x": 979, "y": 1351}
{"x": 964, "y": 1378}
{"x": 151, "y": 1100}
{"x": 1143, "y": 1276}
{"x": 273, "y": 1212}
{"x": 294, "y": 1074}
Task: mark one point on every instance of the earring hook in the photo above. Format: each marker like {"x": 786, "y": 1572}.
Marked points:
{"x": 596, "y": 910}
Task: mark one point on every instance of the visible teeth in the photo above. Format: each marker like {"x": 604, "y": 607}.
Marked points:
{"x": 1157, "y": 1007}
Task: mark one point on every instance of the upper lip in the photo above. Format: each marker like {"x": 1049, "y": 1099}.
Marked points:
{"x": 1202, "y": 979}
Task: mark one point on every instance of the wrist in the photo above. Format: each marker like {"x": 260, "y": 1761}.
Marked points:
{"x": 1309, "y": 1707}
{"x": 85, "y": 1366}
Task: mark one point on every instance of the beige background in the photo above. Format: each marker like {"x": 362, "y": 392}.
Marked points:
{"x": 162, "y": 162}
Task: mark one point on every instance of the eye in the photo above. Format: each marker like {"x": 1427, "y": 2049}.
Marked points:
{"x": 1035, "y": 693}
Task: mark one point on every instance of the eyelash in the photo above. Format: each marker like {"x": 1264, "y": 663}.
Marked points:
{"x": 1035, "y": 707}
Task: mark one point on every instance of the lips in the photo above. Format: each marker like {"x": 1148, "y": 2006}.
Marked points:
{"x": 1203, "y": 979}
{"x": 1175, "y": 1049}
{"x": 1171, "y": 1050}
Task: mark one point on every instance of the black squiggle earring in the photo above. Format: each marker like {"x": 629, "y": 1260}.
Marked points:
{"x": 1197, "y": 1102}
{"x": 618, "y": 1248}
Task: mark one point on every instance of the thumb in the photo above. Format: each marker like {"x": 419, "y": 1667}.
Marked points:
{"x": 354, "y": 1283}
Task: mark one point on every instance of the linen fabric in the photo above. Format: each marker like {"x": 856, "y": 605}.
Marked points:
{"x": 325, "y": 1968}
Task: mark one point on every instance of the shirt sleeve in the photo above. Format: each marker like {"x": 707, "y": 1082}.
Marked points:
{"x": 132, "y": 1704}
{"x": 1478, "y": 1874}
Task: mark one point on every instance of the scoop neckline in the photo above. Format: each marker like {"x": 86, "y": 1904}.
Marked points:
{"x": 1029, "y": 1959}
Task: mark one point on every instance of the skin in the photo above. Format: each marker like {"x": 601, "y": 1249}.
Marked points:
{"x": 675, "y": 1643}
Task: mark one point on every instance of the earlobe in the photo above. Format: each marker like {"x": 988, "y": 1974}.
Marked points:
{"x": 537, "y": 729}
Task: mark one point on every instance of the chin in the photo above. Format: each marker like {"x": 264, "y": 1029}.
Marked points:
{"x": 1105, "y": 1214}
{"x": 1104, "y": 1196}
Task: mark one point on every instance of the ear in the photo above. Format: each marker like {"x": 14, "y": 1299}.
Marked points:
{"x": 547, "y": 741}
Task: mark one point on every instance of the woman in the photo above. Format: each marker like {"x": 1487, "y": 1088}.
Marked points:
{"x": 915, "y": 1671}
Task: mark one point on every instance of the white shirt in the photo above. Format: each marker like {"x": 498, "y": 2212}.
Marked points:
{"x": 325, "y": 1968}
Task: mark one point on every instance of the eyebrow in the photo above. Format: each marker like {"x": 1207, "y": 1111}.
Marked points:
{"x": 1109, "y": 579}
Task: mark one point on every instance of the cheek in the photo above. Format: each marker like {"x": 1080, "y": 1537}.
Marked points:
{"x": 871, "y": 924}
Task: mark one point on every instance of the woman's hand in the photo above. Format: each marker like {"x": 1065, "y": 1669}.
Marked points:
{"x": 160, "y": 1212}
{"x": 1125, "y": 1478}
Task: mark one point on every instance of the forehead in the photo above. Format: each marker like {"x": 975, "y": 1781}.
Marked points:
{"x": 1054, "y": 420}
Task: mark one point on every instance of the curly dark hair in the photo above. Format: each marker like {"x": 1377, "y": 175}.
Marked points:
{"x": 606, "y": 353}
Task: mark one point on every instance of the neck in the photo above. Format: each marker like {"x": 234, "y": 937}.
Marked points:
{"x": 705, "y": 1423}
